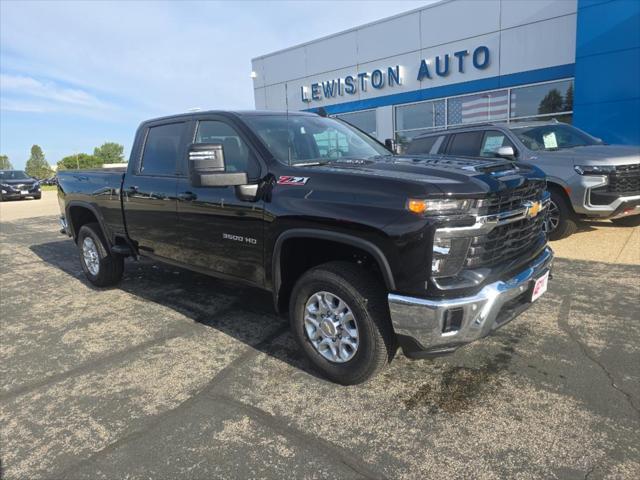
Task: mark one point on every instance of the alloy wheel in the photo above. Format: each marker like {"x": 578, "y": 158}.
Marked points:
{"x": 552, "y": 219}
{"x": 331, "y": 327}
{"x": 90, "y": 256}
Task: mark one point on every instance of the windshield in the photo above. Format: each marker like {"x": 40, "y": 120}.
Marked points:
{"x": 13, "y": 175}
{"x": 554, "y": 137}
{"x": 297, "y": 139}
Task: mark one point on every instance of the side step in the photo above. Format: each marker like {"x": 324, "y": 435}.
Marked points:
{"x": 123, "y": 250}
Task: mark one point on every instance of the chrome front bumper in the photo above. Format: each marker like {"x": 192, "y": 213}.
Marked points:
{"x": 421, "y": 323}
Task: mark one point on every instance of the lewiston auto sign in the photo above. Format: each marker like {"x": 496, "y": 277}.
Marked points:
{"x": 380, "y": 78}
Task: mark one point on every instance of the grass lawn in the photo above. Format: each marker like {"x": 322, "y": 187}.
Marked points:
{"x": 48, "y": 187}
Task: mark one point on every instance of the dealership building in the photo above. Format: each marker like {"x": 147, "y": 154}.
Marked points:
{"x": 470, "y": 61}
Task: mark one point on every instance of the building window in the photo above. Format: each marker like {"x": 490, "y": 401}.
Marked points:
{"x": 364, "y": 120}
{"x": 478, "y": 108}
{"x": 543, "y": 101}
{"x": 418, "y": 118}
{"x": 547, "y": 99}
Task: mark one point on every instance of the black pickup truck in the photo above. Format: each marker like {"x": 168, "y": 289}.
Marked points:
{"x": 365, "y": 250}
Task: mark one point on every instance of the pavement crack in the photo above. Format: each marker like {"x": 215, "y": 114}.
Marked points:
{"x": 251, "y": 352}
{"x": 96, "y": 363}
{"x": 319, "y": 445}
{"x": 563, "y": 323}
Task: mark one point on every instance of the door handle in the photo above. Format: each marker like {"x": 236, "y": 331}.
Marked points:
{"x": 187, "y": 196}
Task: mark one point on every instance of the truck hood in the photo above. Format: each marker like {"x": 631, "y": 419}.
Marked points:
{"x": 594, "y": 155}
{"x": 441, "y": 174}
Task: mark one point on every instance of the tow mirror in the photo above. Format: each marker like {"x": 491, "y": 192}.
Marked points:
{"x": 207, "y": 167}
{"x": 391, "y": 145}
{"x": 506, "y": 152}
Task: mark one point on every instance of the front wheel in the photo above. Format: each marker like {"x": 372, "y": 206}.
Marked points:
{"x": 340, "y": 318}
{"x": 632, "y": 221}
{"x": 560, "y": 221}
{"x": 101, "y": 267}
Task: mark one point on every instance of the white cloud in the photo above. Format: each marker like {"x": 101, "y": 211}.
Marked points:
{"x": 25, "y": 86}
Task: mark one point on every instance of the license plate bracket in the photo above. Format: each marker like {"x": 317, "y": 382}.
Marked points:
{"x": 540, "y": 286}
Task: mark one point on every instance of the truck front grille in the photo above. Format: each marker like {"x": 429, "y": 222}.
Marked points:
{"x": 513, "y": 199}
{"x": 505, "y": 242}
{"x": 508, "y": 241}
{"x": 625, "y": 180}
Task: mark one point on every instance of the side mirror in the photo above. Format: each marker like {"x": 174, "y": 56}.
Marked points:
{"x": 390, "y": 144}
{"x": 506, "y": 152}
{"x": 207, "y": 167}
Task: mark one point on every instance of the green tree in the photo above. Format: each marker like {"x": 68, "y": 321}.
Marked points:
{"x": 37, "y": 165}
{"x": 5, "y": 164}
{"x": 552, "y": 102}
{"x": 568, "y": 99}
{"x": 79, "y": 160}
{"x": 109, "y": 152}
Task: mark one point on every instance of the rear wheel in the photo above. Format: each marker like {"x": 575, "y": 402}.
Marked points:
{"x": 340, "y": 318}
{"x": 101, "y": 267}
{"x": 560, "y": 221}
{"x": 632, "y": 221}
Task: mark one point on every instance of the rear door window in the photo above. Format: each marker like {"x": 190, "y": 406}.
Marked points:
{"x": 162, "y": 149}
{"x": 493, "y": 140}
{"x": 466, "y": 144}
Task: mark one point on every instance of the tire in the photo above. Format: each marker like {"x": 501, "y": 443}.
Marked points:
{"x": 37, "y": 197}
{"x": 561, "y": 221}
{"x": 366, "y": 299}
{"x": 107, "y": 268}
{"x": 631, "y": 221}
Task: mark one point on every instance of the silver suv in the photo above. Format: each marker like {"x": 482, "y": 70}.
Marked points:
{"x": 586, "y": 178}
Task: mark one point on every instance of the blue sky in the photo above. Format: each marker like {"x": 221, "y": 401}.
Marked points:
{"x": 74, "y": 75}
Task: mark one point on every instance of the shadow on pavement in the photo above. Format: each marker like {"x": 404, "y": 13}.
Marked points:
{"x": 195, "y": 296}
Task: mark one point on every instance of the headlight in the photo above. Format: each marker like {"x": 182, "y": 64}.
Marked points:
{"x": 448, "y": 256}
{"x": 437, "y": 206}
{"x": 594, "y": 169}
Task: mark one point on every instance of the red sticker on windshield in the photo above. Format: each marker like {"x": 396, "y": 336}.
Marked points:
{"x": 287, "y": 180}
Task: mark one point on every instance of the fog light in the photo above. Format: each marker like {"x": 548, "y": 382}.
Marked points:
{"x": 452, "y": 320}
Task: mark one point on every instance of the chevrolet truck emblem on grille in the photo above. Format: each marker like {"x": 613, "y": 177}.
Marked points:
{"x": 533, "y": 208}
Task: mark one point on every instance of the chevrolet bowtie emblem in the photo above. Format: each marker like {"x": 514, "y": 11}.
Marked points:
{"x": 533, "y": 208}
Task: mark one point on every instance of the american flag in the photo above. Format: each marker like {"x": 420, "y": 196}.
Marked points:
{"x": 482, "y": 107}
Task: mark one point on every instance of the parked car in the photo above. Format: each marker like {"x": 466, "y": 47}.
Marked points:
{"x": 16, "y": 184}
{"x": 586, "y": 178}
{"x": 363, "y": 249}
{"x": 50, "y": 181}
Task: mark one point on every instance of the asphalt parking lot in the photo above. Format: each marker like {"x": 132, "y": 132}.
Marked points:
{"x": 174, "y": 374}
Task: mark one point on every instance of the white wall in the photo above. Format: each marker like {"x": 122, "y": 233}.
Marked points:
{"x": 522, "y": 35}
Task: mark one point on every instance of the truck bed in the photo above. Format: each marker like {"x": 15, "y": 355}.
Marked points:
{"x": 100, "y": 190}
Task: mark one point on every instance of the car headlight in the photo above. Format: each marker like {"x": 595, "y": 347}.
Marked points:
{"x": 448, "y": 256}
{"x": 438, "y": 206}
{"x": 594, "y": 169}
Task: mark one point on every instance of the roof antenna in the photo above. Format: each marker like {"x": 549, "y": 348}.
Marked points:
{"x": 286, "y": 102}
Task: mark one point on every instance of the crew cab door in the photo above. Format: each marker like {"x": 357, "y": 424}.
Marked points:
{"x": 150, "y": 187}
{"x": 222, "y": 232}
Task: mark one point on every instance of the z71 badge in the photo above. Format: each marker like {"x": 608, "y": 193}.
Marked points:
{"x": 287, "y": 180}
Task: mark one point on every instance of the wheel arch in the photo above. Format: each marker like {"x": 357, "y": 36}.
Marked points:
{"x": 80, "y": 213}
{"x": 351, "y": 241}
